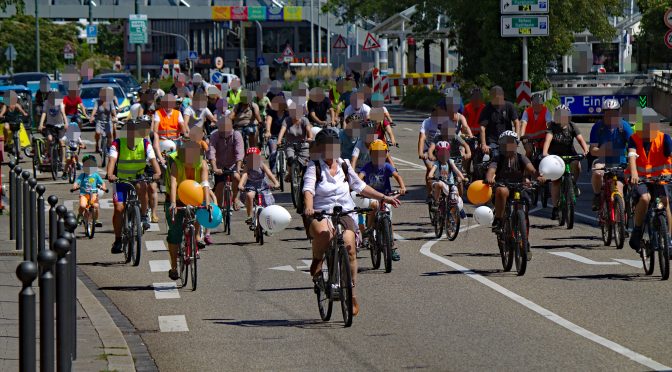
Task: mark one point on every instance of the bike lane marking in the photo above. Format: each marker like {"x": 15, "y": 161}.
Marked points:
{"x": 576, "y": 257}
{"x": 155, "y": 245}
{"x": 173, "y": 323}
{"x": 426, "y": 250}
{"x": 158, "y": 266}
{"x": 164, "y": 291}
{"x": 634, "y": 263}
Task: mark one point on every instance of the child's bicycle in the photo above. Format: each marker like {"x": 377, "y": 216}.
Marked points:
{"x": 71, "y": 162}
{"x": 88, "y": 220}
{"x": 258, "y": 207}
{"x": 187, "y": 252}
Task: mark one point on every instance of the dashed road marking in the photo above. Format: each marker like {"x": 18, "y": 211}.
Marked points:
{"x": 592, "y": 218}
{"x": 408, "y": 129}
{"x": 283, "y": 268}
{"x": 587, "y": 261}
{"x": 155, "y": 245}
{"x": 306, "y": 265}
{"x": 399, "y": 237}
{"x": 154, "y": 227}
{"x": 634, "y": 263}
{"x": 408, "y": 163}
{"x": 157, "y": 266}
{"x": 164, "y": 291}
{"x": 173, "y": 323}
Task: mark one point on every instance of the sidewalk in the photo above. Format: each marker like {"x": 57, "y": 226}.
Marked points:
{"x": 100, "y": 344}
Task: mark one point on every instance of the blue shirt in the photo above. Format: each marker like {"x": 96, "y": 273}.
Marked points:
{"x": 89, "y": 183}
{"x": 378, "y": 177}
{"x": 618, "y": 137}
{"x": 347, "y": 144}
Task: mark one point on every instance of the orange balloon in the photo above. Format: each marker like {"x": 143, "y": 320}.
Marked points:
{"x": 190, "y": 192}
{"x": 479, "y": 193}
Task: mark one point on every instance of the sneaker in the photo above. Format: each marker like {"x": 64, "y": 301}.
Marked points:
{"x": 497, "y": 226}
{"x": 463, "y": 214}
{"x": 596, "y": 202}
{"x": 98, "y": 223}
{"x": 145, "y": 223}
{"x": 173, "y": 275}
{"x": 79, "y": 166}
{"x": 248, "y": 220}
{"x": 395, "y": 255}
{"x": 636, "y": 238}
{"x": 577, "y": 190}
{"x": 554, "y": 213}
{"x": 64, "y": 176}
{"x": 116, "y": 247}
{"x": 155, "y": 218}
{"x": 207, "y": 240}
{"x": 201, "y": 245}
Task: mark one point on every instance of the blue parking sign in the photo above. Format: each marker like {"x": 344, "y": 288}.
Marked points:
{"x": 92, "y": 31}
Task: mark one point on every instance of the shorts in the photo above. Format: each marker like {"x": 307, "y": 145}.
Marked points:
{"x": 656, "y": 191}
{"x": 103, "y": 126}
{"x": 175, "y": 232}
{"x": 266, "y": 196}
{"x": 57, "y": 132}
{"x": 120, "y": 192}
{"x": 149, "y": 171}
{"x": 347, "y": 221}
{"x": 525, "y": 195}
{"x": 91, "y": 198}
{"x": 291, "y": 153}
{"x": 248, "y": 129}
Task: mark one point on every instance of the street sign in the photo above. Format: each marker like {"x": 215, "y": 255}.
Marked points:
{"x": 137, "y": 26}
{"x": 523, "y": 93}
{"x": 668, "y": 18}
{"x": 10, "y": 53}
{"x": 668, "y": 39}
{"x": 340, "y": 43}
{"x": 524, "y": 6}
{"x": 592, "y": 105}
{"x": 261, "y": 61}
{"x": 219, "y": 62}
{"x": 370, "y": 43}
{"x": 520, "y": 26}
{"x": 216, "y": 77}
{"x": 92, "y": 34}
{"x": 288, "y": 54}
{"x": 193, "y": 55}
{"x": 68, "y": 51}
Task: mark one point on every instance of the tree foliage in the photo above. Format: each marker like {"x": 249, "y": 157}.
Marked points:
{"x": 20, "y": 5}
{"x": 650, "y": 41}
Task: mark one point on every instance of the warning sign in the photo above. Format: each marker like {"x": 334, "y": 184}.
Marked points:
{"x": 288, "y": 54}
{"x": 370, "y": 42}
{"x": 340, "y": 43}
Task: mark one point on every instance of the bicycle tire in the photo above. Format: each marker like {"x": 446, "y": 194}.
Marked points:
{"x": 345, "y": 285}
{"x": 432, "y": 213}
{"x": 534, "y": 195}
{"x": 570, "y": 204}
{"x": 72, "y": 173}
{"x": 647, "y": 253}
{"x": 126, "y": 238}
{"x": 374, "y": 249}
{"x": 663, "y": 245}
{"x": 193, "y": 260}
{"x": 280, "y": 163}
{"x": 137, "y": 236}
{"x": 87, "y": 225}
{"x": 103, "y": 151}
{"x": 294, "y": 185}
{"x": 16, "y": 151}
{"x": 619, "y": 221}
{"x": 55, "y": 161}
{"x": 439, "y": 217}
{"x": 324, "y": 301}
{"x": 605, "y": 226}
{"x": 227, "y": 215}
{"x": 92, "y": 228}
{"x": 504, "y": 244}
{"x": 386, "y": 239}
{"x": 520, "y": 243}
{"x": 182, "y": 267}
{"x": 259, "y": 233}
{"x": 452, "y": 222}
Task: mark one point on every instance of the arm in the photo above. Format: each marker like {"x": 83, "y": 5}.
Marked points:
{"x": 314, "y": 118}
{"x": 157, "y": 169}
{"x": 547, "y": 144}
{"x": 18, "y": 105}
{"x": 484, "y": 144}
{"x": 270, "y": 175}
{"x": 269, "y": 121}
{"x": 390, "y": 134}
{"x": 110, "y": 169}
{"x": 282, "y": 133}
{"x": 206, "y": 183}
{"x": 173, "y": 185}
{"x": 257, "y": 116}
{"x": 332, "y": 112}
{"x": 465, "y": 127}
{"x": 65, "y": 117}
{"x": 309, "y": 132}
{"x": 93, "y": 113}
{"x": 157, "y": 149}
{"x": 400, "y": 182}
{"x": 516, "y": 125}
{"x": 632, "y": 163}
{"x": 430, "y": 152}
{"x": 523, "y": 128}
{"x": 362, "y": 175}
{"x": 583, "y": 144}
{"x": 42, "y": 118}
{"x": 455, "y": 170}
{"x": 421, "y": 145}
{"x": 431, "y": 172}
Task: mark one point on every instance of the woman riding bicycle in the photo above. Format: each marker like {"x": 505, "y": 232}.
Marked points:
{"x": 276, "y": 114}
{"x": 296, "y": 129}
{"x": 55, "y": 118}
{"x": 244, "y": 115}
{"x": 560, "y": 141}
{"x": 326, "y": 188}
{"x": 12, "y": 113}
{"x": 104, "y": 114}
{"x": 196, "y": 114}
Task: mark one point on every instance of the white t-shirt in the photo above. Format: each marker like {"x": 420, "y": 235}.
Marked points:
{"x": 334, "y": 190}
{"x": 364, "y": 111}
{"x": 73, "y": 136}
{"x": 194, "y": 120}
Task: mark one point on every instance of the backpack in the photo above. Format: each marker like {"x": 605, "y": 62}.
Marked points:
{"x": 318, "y": 179}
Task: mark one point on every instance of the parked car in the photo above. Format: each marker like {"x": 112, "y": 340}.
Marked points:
{"x": 90, "y": 92}
{"x": 132, "y": 85}
{"x": 34, "y": 86}
{"x": 109, "y": 80}
{"x": 22, "y": 78}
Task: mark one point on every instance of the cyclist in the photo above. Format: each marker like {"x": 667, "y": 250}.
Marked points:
{"x": 88, "y": 182}
{"x": 128, "y": 157}
{"x": 330, "y": 186}
{"x": 226, "y": 152}
{"x": 320, "y": 112}
{"x": 357, "y": 106}
{"x": 145, "y": 106}
{"x": 608, "y": 142}
{"x": 55, "y": 118}
{"x": 497, "y": 117}
{"x": 429, "y": 130}
{"x": 632, "y": 113}
{"x": 473, "y": 109}
{"x": 253, "y": 178}
{"x": 168, "y": 123}
{"x": 534, "y": 123}
{"x": 560, "y": 137}
{"x": 244, "y": 115}
{"x": 198, "y": 85}
{"x": 73, "y": 104}
{"x": 11, "y": 113}
{"x": 105, "y": 114}
{"x": 295, "y": 129}
{"x": 234, "y": 94}
{"x": 180, "y": 86}
{"x": 73, "y": 139}
{"x": 196, "y": 115}
{"x": 143, "y": 125}
{"x": 41, "y": 96}
{"x": 507, "y": 166}
{"x": 445, "y": 175}
{"x": 349, "y": 135}
{"x": 187, "y": 164}
{"x": 276, "y": 114}
{"x": 649, "y": 155}
{"x": 382, "y": 118}
{"x": 360, "y": 153}
{"x": 377, "y": 174}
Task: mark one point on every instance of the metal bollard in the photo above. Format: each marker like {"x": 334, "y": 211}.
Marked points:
{"x": 40, "y": 217}
{"x": 70, "y": 226}
{"x": 18, "y": 219}
{"x": 61, "y": 210}
{"x": 26, "y": 215}
{"x": 12, "y": 212}
{"x": 46, "y": 259}
{"x": 63, "y": 362}
{"x": 27, "y": 272}
{"x": 32, "y": 203}
{"x": 53, "y": 220}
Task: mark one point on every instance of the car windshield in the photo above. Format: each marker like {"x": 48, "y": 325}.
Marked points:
{"x": 93, "y": 92}
{"x": 128, "y": 80}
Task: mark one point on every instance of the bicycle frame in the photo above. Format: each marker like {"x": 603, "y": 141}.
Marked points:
{"x": 610, "y": 187}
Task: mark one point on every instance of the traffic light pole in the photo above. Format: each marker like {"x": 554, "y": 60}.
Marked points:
{"x": 37, "y": 35}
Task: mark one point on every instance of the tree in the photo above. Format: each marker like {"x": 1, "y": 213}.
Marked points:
{"x": 650, "y": 42}
{"x": 20, "y": 5}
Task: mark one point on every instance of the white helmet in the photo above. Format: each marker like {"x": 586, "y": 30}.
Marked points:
{"x": 274, "y": 218}
{"x": 610, "y": 104}
{"x": 315, "y": 131}
{"x": 167, "y": 146}
{"x": 506, "y": 134}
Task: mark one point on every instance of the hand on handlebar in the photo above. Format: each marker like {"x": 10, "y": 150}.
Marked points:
{"x": 392, "y": 200}
{"x": 156, "y": 177}
{"x": 634, "y": 178}
{"x": 309, "y": 211}
{"x": 218, "y": 172}
{"x": 402, "y": 191}
{"x": 485, "y": 148}
{"x": 490, "y": 179}
{"x": 423, "y": 156}
{"x": 267, "y": 135}
{"x": 112, "y": 178}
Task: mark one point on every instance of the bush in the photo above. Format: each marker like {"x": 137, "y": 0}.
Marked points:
{"x": 421, "y": 98}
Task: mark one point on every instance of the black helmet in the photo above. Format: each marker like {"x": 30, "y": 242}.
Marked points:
{"x": 327, "y": 135}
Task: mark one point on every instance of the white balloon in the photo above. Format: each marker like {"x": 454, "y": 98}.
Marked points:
{"x": 483, "y": 215}
{"x": 552, "y": 167}
{"x": 360, "y": 202}
{"x": 167, "y": 146}
{"x": 486, "y": 157}
{"x": 274, "y": 218}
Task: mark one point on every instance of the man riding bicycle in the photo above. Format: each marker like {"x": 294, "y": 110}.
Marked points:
{"x": 167, "y": 123}
{"x": 128, "y": 157}
{"x": 533, "y": 124}
{"x": 497, "y": 117}
{"x": 226, "y": 152}
{"x": 320, "y": 112}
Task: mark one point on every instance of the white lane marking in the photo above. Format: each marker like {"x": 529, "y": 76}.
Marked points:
{"x": 408, "y": 129}
{"x": 173, "y": 323}
{"x": 88, "y": 142}
{"x": 576, "y": 257}
{"x": 155, "y": 245}
{"x": 282, "y": 268}
{"x": 164, "y": 291}
{"x": 555, "y": 318}
{"x": 306, "y": 265}
{"x": 592, "y": 218}
{"x": 157, "y": 266}
{"x": 634, "y": 263}
{"x": 398, "y": 237}
{"x": 408, "y": 163}
{"x": 154, "y": 227}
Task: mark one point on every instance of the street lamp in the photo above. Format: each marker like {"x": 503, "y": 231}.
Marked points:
{"x": 178, "y": 36}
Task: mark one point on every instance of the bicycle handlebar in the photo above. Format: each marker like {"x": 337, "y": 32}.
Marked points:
{"x": 573, "y": 157}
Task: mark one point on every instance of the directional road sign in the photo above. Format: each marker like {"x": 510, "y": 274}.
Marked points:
{"x": 92, "y": 34}
{"x": 216, "y": 77}
{"x": 528, "y": 25}
{"x": 137, "y": 24}
{"x": 10, "y": 53}
{"x": 193, "y": 55}
{"x": 523, "y": 6}
{"x": 261, "y": 61}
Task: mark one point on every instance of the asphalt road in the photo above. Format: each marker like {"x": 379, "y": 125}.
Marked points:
{"x": 445, "y": 306}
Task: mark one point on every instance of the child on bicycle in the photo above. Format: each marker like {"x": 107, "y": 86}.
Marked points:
{"x": 445, "y": 175}
{"x": 88, "y": 182}
{"x": 559, "y": 141}
{"x": 73, "y": 139}
{"x": 255, "y": 178}
{"x": 377, "y": 174}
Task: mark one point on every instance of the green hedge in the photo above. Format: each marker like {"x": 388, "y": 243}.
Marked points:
{"x": 421, "y": 98}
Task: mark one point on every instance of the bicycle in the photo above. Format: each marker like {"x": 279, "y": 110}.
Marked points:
{"x": 335, "y": 283}
{"x": 447, "y": 216}
{"x": 102, "y": 149}
{"x": 611, "y": 215}
{"x": 55, "y": 151}
{"x": 257, "y": 208}
{"x": 298, "y": 167}
{"x": 15, "y": 124}
{"x": 132, "y": 229}
{"x": 567, "y": 194}
{"x": 187, "y": 252}
{"x": 655, "y": 226}
{"x": 542, "y": 191}
{"x": 513, "y": 240}
{"x": 88, "y": 222}
{"x": 379, "y": 238}
{"x": 227, "y": 208}
{"x": 71, "y": 161}
{"x": 280, "y": 168}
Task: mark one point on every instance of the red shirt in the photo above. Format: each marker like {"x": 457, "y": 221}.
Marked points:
{"x": 71, "y": 104}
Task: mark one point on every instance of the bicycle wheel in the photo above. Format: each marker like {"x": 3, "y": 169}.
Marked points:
{"x": 534, "y": 195}
{"x": 227, "y": 212}
{"x": 605, "y": 224}
{"x": 569, "y": 205}
{"x": 432, "y": 212}
{"x": 136, "y": 228}
{"x": 72, "y": 173}
{"x": 505, "y": 253}
{"x": 386, "y": 239}
{"x": 520, "y": 243}
{"x": 103, "y": 151}
{"x": 92, "y": 225}
{"x": 439, "y": 218}
{"x": 126, "y": 236}
{"x": 374, "y": 248}
{"x": 663, "y": 245}
{"x": 324, "y": 301}
{"x": 193, "y": 261}
{"x": 87, "y": 225}
{"x": 182, "y": 258}
{"x": 619, "y": 221}
{"x": 452, "y": 222}
{"x": 295, "y": 186}
{"x": 345, "y": 285}
{"x": 36, "y": 155}
{"x": 55, "y": 161}
{"x": 280, "y": 160}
